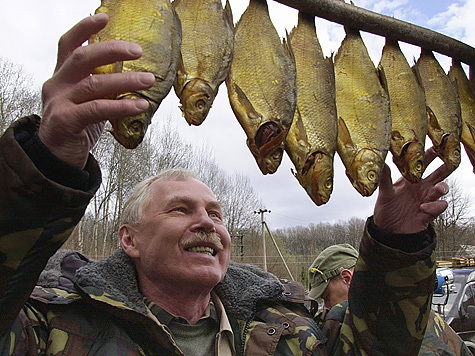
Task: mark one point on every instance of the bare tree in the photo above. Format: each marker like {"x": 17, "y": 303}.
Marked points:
{"x": 162, "y": 148}
{"x": 453, "y": 225}
{"x": 18, "y": 96}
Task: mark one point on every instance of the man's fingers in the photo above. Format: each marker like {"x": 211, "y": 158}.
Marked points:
{"x": 438, "y": 175}
{"x": 83, "y": 60}
{"x": 434, "y": 208}
{"x": 437, "y": 191}
{"x": 79, "y": 34}
{"x": 96, "y": 111}
{"x": 385, "y": 182}
{"x": 429, "y": 156}
{"x": 103, "y": 85}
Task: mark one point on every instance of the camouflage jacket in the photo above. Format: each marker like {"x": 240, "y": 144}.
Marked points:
{"x": 439, "y": 339}
{"x": 94, "y": 308}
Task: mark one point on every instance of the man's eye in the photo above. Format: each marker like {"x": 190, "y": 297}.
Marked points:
{"x": 180, "y": 209}
{"x": 214, "y": 215}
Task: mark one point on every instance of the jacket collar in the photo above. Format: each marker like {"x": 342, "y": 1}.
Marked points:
{"x": 114, "y": 280}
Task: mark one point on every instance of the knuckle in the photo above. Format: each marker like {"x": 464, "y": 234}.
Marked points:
{"x": 63, "y": 41}
{"x": 78, "y": 56}
{"x": 92, "y": 84}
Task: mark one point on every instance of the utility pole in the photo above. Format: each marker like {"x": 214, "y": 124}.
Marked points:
{"x": 262, "y": 211}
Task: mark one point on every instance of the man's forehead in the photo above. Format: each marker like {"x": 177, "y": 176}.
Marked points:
{"x": 184, "y": 190}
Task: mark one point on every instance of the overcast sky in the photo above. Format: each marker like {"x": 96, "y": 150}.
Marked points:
{"x": 31, "y": 29}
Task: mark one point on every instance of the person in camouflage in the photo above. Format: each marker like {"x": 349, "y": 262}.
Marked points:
{"x": 329, "y": 278}
{"x": 140, "y": 300}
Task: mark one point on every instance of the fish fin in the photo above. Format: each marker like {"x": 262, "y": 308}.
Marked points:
{"x": 471, "y": 129}
{"x": 397, "y": 142}
{"x": 246, "y": 103}
{"x": 228, "y": 12}
{"x": 180, "y": 79}
{"x": 288, "y": 47}
{"x": 432, "y": 119}
{"x": 382, "y": 77}
{"x": 302, "y": 133}
{"x": 415, "y": 70}
{"x": 330, "y": 69}
{"x": 294, "y": 173}
{"x": 435, "y": 131}
{"x": 344, "y": 136}
{"x": 472, "y": 75}
{"x": 469, "y": 148}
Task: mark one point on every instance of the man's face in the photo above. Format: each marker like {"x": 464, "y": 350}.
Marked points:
{"x": 170, "y": 252}
{"x": 335, "y": 292}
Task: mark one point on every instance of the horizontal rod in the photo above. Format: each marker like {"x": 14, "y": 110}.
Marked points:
{"x": 372, "y": 22}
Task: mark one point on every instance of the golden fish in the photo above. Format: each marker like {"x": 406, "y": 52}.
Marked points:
{"x": 445, "y": 119}
{"x": 364, "y": 119}
{"x": 311, "y": 141}
{"x": 408, "y": 112}
{"x": 206, "y": 51}
{"x": 262, "y": 85}
{"x": 467, "y": 105}
{"x": 155, "y": 26}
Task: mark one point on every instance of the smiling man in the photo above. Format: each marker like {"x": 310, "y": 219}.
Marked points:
{"x": 171, "y": 288}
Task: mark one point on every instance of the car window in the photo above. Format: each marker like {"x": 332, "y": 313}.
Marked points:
{"x": 468, "y": 297}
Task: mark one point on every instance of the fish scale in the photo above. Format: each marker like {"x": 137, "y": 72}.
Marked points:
{"x": 154, "y": 25}
{"x": 262, "y": 85}
{"x": 467, "y": 105}
{"x": 408, "y": 112}
{"x": 445, "y": 119}
{"x": 364, "y": 119}
{"x": 311, "y": 142}
{"x": 207, "y": 51}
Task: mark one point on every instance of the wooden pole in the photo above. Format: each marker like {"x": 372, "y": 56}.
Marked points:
{"x": 372, "y": 22}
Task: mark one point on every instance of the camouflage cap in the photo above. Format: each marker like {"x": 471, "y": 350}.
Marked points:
{"x": 328, "y": 264}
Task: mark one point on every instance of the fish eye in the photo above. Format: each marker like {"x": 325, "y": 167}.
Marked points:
{"x": 328, "y": 184}
{"x": 457, "y": 153}
{"x": 277, "y": 154}
{"x": 136, "y": 127}
{"x": 372, "y": 176}
{"x": 419, "y": 166}
{"x": 200, "y": 105}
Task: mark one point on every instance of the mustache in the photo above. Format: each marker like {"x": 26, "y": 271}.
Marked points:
{"x": 207, "y": 237}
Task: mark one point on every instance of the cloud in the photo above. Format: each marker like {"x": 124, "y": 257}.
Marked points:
{"x": 32, "y": 29}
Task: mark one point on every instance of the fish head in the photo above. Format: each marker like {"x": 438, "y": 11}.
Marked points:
{"x": 316, "y": 177}
{"x": 196, "y": 100}
{"x": 130, "y": 131}
{"x": 269, "y": 145}
{"x": 269, "y": 163}
{"x": 411, "y": 161}
{"x": 365, "y": 172}
{"x": 449, "y": 150}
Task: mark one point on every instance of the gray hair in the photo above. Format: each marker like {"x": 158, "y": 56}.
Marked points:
{"x": 140, "y": 197}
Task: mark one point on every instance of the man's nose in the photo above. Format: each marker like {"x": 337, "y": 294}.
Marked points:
{"x": 203, "y": 222}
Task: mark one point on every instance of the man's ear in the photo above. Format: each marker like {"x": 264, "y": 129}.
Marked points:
{"x": 127, "y": 238}
{"x": 347, "y": 276}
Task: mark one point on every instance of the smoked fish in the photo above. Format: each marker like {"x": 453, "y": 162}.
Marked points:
{"x": 262, "y": 86}
{"x": 206, "y": 52}
{"x": 444, "y": 114}
{"x": 467, "y": 104}
{"x": 364, "y": 118}
{"x": 311, "y": 141}
{"x": 408, "y": 112}
{"x": 155, "y": 26}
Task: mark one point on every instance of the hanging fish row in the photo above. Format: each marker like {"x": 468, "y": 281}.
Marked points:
{"x": 289, "y": 97}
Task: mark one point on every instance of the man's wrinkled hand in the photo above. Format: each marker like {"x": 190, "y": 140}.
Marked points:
{"x": 74, "y": 106}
